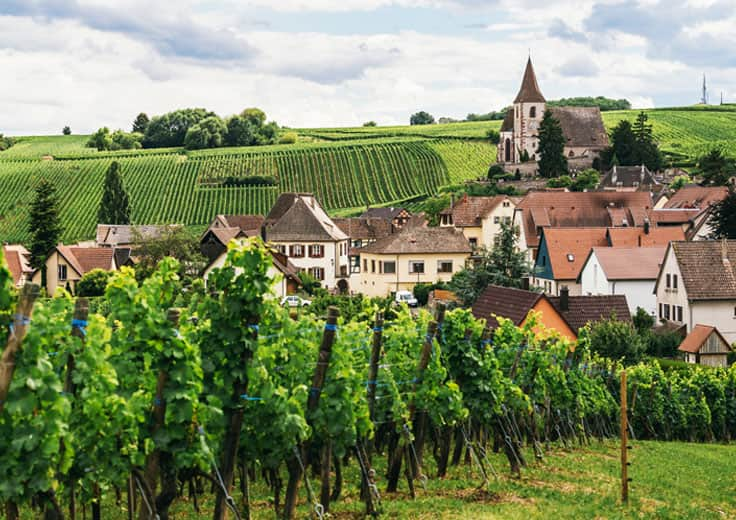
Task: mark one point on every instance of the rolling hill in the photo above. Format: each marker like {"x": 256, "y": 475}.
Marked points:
{"x": 348, "y": 168}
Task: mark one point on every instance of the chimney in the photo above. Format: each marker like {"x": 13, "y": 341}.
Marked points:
{"x": 614, "y": 178}
{"x": 724, "y": 252}
{"x": 564, "y": 298}
{"x": 525, "y": 284}
{"x": 641, "y": 175}
{"x": 646, "y": 226}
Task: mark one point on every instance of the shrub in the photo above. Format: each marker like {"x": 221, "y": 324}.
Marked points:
{"x": 288, "y": 138}
{"x": 93, "y": 283}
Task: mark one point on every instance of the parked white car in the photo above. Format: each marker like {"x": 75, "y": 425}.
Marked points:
{"x": 295, "y": 301}
{"x": 406, "y": 297}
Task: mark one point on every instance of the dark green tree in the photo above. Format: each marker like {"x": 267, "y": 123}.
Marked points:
{"x": 503, "y": 265}
{"x": 141, "y": 123}
{"x": 370, "y": 123}
{"x": 647, "y": 151}
{"x": 552, "y": 160}
{"x": 716, "y": 169}
{"x": 115, "y": 204}
{"x": 421, "y": 118}
{"x": 643, "y": 321}
{"x": 208, "y": 133}
{"x": 623, "y": 146}
{"x": 44, "y": 225}
{"x": 614, "y": 339}
{"x": 174, "y": 241}
{"x": 170, "y": 129}
{"x": 722, "y": 219}
{"x": 66, "y": 131}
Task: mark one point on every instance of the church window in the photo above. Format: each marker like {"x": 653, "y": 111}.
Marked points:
{"x": 571, "y": 154}
{"x": 533, "y": 112}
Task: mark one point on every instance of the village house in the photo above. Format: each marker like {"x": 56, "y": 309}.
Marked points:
{"x": 515, "y": 305}
{"x": 690, "y": 207}
{"x": 582, "y": 127}
{"x": 114, "y": 235}
{"x": 706, "y": 346}
{"x": 697, "y": 285}
{"x": 363, "y": 231}
{"x": 66, "y": 265}
{"x": 396, "y": 215}
{"x": 539, "y": 210}
{"x": 565, "y": 313}
{"x": 629, "y": 178}
{"x": 416, "y": 254}
{"x": 17, "y": 258}
{"x": 225, "y": 228}
{"x": 480, "y": 218}
{"x": 631, "y": 271}
{"x": 299, "y": 228}
{"x": 283, "y": 272}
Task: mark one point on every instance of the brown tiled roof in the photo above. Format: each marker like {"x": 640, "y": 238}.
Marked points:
{"x": 421, "y": 240}
{"x": 93, "y": 258}
{"x": 628, "y": 176}
{"x": 225, "y": 235}
{"x": 577, "y": 209}
{"x": 630, "y": 263}
{"x": 299, "y": 217}
{"x": 637, "y": 237}
{"x": 250, "y": 224}
{"x": 673, "y": 216}
{"x": 693, "y": 196}
{"x": 388, "y": 212}
{"x": 283, "y": 264}
{"x": 568, "y": 249}
{"x": 694, "y": 341}
{"x": 590, "y": 309}
{"x": 16, "y": 258}
{"x": 505, "y": 302}
{"x": 470, "y": 211}
{"x": 364, "y": 228}
{"x": 529, "y": 91}
{"x": 581, "y": 126}
{"x": 707, "y": 268}
{"x": 112, "y": 235}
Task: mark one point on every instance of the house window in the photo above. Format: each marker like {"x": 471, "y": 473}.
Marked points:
{"x": 507, "y": 220}
{"x": 61, "y": 271}
{"x": 533, "y": 112}
{"x": 416, "y": 266}
{"x": 496, "y": 239}
{"x": 661, "y": 311}
{"x": 674, "y": 281}
{"x": 668, "y": 283}
{"x": 316, "y": 251}
{"x": 389, "y": 267}
{"x": 666, "y": 311}
{"x": 282, "y": 250}
{"x": 570, "y": 257}
{"x": 496, "y": 219}
{"x": 354, "y": 264}
{"x": 297, "y": 251}
{"x": 506, "y": 204}
{"x": 365, "y": 265}
{"x": 678, "y": 310}
{"x": 373, "y": 266}
{"x": 444, "y": 266}
{"x": 473, "y": 242}
{"x": 543, "y": 262}
{"x": 317, "y": 272}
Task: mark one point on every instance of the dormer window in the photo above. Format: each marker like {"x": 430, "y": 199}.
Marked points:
{"x": 570, "y": 257}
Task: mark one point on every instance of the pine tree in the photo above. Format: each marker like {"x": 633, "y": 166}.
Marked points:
{"x": 552, "y": 160}
{"x": 44, "y": 224}
{"x": 646, "y": 149}
{"x": 114, "y": 206}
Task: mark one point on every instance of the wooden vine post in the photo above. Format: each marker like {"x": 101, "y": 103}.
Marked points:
{"x": 21, "y": 321}
{"x": 296, "y": 464}
{"x": 373, "y": 367}
{"x": 624, "y": 443}
{"x": 235, "y": 423}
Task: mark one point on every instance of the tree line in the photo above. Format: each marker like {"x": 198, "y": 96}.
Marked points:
{"x": 193, "y": 129}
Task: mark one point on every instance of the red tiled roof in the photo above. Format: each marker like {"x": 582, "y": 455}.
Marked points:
{"x": 17, "y": 262}
{"x": 698, "y": 336}
{"x": 90, "y": 258}
{"x": 568, "y": 249}
{"x": 364, "y": 228}
{"x": 630, "y": 263}
{"x": 579, "y": 209}
{"x": 693, "y": 196}
{"x": 637, "y": 237}
{"x": 708, "y": 268}
{"x": 250, "y": 224}
{"x": 673, "y": 216}
{"x": 529, "y": 91}
{"x": 590, "y": 309}
{"x": 470, "y": 211}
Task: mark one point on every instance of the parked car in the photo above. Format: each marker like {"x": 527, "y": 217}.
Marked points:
{"x": 295, "y": 301}
{"x": 406, "y": 297}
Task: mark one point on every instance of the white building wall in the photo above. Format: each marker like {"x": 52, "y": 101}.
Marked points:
{"x": 639, "y": 293}
{"x": 335, "y": 257}
{"x": 718, "y": 314}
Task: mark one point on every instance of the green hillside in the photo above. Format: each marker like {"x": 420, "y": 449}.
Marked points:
{"x": 348, "y": 168}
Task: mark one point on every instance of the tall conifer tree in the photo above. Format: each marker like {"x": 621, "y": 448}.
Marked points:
{"x": 115, "y": 205}
{"x": 44, "y": 224}
{"x": 552, "y": 160}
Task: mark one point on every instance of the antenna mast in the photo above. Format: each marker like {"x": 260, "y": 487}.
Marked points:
{"x": 704, "y": 99}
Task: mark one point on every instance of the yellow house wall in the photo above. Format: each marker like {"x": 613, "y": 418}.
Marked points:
{"x": 52, "y": 272}
{"x": 377, "y": 284}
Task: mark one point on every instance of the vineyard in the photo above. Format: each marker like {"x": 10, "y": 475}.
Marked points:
{"x": 178, "y": 399}
{"x": 167, "y": 187}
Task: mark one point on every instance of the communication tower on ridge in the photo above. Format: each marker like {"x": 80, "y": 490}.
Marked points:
{"x": 704, "y": 99}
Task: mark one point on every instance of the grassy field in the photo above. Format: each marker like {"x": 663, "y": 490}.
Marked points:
{"x": 348, "y": 168}
{"x": 670, "y": 480}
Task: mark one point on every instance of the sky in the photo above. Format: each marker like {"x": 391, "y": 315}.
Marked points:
{"x": 319, "y": 63}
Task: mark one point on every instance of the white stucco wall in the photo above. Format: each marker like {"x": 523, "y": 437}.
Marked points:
{"x": 639, "y": 293}
{"x": 330, "y": 262}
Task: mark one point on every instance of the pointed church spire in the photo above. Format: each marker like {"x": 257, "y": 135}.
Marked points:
{"x": 529, "y": 91}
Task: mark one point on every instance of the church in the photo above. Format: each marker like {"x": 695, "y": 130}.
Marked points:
{"x": 582, "y": 127}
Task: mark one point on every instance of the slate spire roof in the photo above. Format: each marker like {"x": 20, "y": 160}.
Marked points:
{"x": 529, "y": 91}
